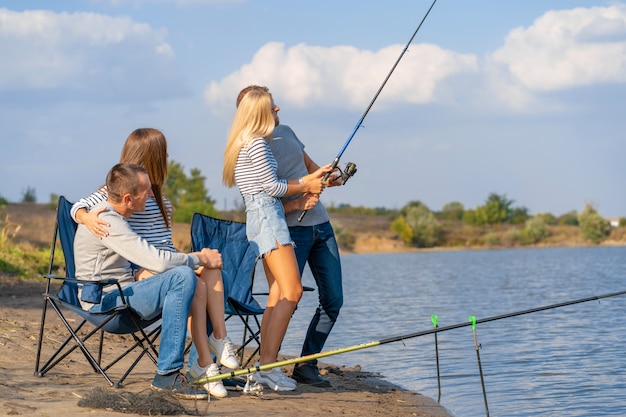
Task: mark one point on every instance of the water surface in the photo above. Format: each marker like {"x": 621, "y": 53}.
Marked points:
{"x": 569, "y": 361}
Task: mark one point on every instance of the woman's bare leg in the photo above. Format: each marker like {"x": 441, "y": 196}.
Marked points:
{"x": 285, "y": 292}
{"x": 197, "y": 323}
{"x": 212, "y": 279}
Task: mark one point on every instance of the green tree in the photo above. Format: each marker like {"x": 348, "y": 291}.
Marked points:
{"x": 400, "y": 226}
{"x": 568, "y": 219}
{"x": 176, "y": 183}
{"x": 54, "y": 200}
{"x": 187, "y": 194}
{"x": 548, "y": 218}
{"x": 426, "y": 231}
{"x": 518, "y": 215}
{"x": 29, "y": 196}
{"x": 593, "y": 226}
{"x": 535, "y": 230}
{"x": 497, "y": 209}
{"x": 452, "y": 211}
{"x": 469, "y": 218}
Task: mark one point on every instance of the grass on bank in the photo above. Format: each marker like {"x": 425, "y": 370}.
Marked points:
{"x": 26, "y": 234}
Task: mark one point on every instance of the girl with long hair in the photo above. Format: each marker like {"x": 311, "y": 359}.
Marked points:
{"x": 250, "y": 165}
{"x": 148, "y": 147}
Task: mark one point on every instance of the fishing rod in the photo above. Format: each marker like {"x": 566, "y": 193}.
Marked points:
{"x": 366, "y": 345}
{"x": 472, "y": 320}
{"x": 360, "y": 122}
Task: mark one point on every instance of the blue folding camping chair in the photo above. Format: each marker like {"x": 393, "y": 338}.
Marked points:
{"x": 239, "y": 258}
{"x": 229, "y": 238}
{"x": 120, "y": 320}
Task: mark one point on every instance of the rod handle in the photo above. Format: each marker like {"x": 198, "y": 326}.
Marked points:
{"x": 333, "y": 166}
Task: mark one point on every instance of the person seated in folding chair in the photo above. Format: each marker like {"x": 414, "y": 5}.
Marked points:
{"x": 148, "y": 147}
{"x": 249, "y": 164}
{"x": 169, "y": 292}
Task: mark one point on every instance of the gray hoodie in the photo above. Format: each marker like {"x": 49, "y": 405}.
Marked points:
{"x": 111, "y": 256}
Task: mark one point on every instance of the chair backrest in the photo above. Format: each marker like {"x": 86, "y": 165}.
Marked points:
{"x": 228, "y": 237}
{"x": 66, "y": 229}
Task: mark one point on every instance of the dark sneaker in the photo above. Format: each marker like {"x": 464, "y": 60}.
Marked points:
{"x": 308, "y": 374}
{"x": 177, "y": 385}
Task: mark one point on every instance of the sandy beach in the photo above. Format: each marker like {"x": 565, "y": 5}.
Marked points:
{"x": 67, "y": 388}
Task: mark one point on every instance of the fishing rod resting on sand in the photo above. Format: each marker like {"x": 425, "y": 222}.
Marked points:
{"x": 435, "y": 330}
{"x": 360, "y": 122}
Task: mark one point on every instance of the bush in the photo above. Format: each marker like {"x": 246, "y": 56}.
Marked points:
{"x": 452, "y": 211}
{"x": 548, "y": 218}
{"x": 593, "y": 226}
{"x": 535, "y": 230}
{"x": 400, "y": 226}
{"x": 345, "y": 239}
{"x": 568, "y": 219}
{"x": 426, "y": 229}
{"x": 469, "y": 218}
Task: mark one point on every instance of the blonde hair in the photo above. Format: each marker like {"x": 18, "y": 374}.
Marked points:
{"x": 253, "y": 119}
{"x": 148, "y": 147}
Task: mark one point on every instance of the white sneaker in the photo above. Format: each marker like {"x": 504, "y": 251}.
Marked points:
{"x": 275, "y": 379}
{"x": 215, "y": 388}
{"x": 224, "y": 351}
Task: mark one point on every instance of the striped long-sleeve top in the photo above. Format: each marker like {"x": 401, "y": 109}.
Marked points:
{"x": 148, "y": 224}
{"x": 255, "y": 170}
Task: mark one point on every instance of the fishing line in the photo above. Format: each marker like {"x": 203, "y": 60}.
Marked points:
{"x": 360, "y": 122}
{"x": 366, "y": 345}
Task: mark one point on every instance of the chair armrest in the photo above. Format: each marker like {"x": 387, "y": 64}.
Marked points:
{"x": 104, "y": 282}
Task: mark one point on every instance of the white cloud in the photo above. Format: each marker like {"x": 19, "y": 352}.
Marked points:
{"x": 568, "y": 48}
{"x": 343, "y": 76}
{"x": 85, "y": 55}
{"x": 138, "y": 3}
{"x": 561, "y": 50}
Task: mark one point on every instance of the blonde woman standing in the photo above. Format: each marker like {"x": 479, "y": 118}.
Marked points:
{"x": 250, "y": 165}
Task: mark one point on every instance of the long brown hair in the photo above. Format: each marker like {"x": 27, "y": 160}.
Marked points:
{"x": 148, "y": 147}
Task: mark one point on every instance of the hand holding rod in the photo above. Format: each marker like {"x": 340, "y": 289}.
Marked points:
{"x": 360, "y": 122}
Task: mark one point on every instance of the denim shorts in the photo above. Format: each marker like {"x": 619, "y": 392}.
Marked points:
{"x": 265, "y": 223}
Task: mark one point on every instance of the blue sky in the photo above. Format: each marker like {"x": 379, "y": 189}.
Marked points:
{"x": 523, "y": 98}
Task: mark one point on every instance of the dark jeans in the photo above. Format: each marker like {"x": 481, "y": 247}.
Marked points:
{"x": 317, "y": 246}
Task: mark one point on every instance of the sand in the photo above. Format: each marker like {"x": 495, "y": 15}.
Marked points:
{"x": 353, "y": 392}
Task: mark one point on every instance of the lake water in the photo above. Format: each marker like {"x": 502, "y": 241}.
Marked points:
{"x": 568, "y": 361}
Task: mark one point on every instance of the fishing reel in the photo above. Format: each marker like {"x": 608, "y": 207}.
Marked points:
{"x": 347, "y": 172}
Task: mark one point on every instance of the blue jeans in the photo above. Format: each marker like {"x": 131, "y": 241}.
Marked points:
{"x": 317, "y": 246}
{"x": 170, "y": 295}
